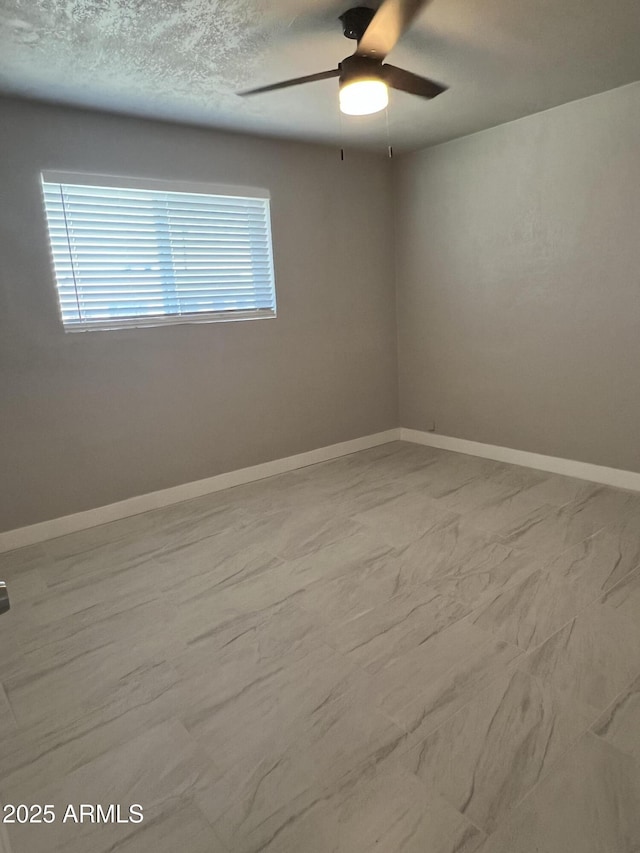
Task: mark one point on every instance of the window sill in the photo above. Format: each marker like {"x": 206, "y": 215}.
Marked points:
{"x": 118, "y": 324}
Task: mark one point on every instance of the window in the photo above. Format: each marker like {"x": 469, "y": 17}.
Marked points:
{"x": 147, "y": 253}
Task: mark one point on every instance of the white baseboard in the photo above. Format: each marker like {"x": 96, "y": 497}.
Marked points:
{"x": 44, "y": 530}
{"x": 554, "y": 464}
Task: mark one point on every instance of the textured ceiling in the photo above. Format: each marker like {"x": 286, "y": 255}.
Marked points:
{"x": 184, "y": 59}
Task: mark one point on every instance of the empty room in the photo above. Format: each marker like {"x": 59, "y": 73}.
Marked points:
{"x": 319, "y": 426}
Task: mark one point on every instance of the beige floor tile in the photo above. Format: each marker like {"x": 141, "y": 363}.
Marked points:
{"x": 444, "y": 696}
{"x": 83, "y": 557}
{"x": 549, "y": 530}
{"x": 183, "y": 829}
{"x": 225, "y": 662}
{"x": 494, "y": 515}
{"x": 13, "y": 564}
{"x": 138, "y": 624}
{"x": 98, "y": 594}
{"x": 403, "y": 520}
{"x": 592, "y": 658}
{"x": 353, "y": 485}
{"x": 588, "y": 804}
{"x": 387, "y": 811}
{"x": 8, "y": 723}
{"x": 605, "y": 506}
{"x": 531, "y": 610}
{"x": 212, "y": 563}
{"x": 620, "y": 723}
{"x": 24, "y": 586}
{"x": 236, "y": 722}
{"x": 49, "y": 744}
{"x": 490, "y": 754}
{"x": 369, "y": 582}
{"x": 345, "y": 557}
{"x": 601, "y": 561}
{"x": 478, "y": 492}
{"x": 558, "y": 490}
{"x": 404, "y": 679}
{"x": 318, "y": 747}
{"x": 289, "y": 534}
{"x": 107, "y": 676}
{"x": 202, "y": 605}
{"x": 160, "y": 770}
{"x": 448, "y": 471}
{"x": 292, "y": 490}
{"x": 625, "y": 596}
{"x": 406, "y": 622}
{"x": 462, "y": 560}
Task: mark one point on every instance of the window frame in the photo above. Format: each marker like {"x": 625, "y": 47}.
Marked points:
{"x": 86, "y": 179}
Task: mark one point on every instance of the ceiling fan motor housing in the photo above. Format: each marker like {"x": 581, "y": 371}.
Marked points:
{"x": 355, "y": 21}
{"x": 359, "y": 68}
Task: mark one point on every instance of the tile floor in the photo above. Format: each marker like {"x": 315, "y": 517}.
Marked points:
{"x": 402, "y": 650}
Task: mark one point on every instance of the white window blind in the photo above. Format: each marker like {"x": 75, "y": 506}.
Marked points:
{"x": 148, "y": 254}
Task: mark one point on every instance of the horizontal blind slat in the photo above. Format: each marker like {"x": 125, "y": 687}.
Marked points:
{"x": 121, "y": 254}
{"x": 150, "y": 218}
{"x": 141, "y": 229}
{"x": 117, "y": 238}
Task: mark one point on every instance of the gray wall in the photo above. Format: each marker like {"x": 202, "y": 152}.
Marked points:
{"x": 87, "y": 419}
{"x": 518, "y": 264}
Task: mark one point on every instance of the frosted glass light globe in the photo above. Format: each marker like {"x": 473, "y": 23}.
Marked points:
{"x": 363, "y": 97}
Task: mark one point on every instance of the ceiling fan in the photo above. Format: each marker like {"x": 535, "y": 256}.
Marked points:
{"x": 364, "y": 79}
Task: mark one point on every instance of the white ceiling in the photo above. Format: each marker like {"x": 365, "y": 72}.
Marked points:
{"x": 184, "y": 60}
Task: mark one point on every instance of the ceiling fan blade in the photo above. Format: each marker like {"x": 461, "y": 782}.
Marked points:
{"x": 405, "y": 81}
{"x": 388, "y": 24}
{"x": 322, "y": 75}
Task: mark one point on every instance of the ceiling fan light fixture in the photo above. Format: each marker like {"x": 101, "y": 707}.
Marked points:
{"x": 365, "y": 77}
{"x": 363, "y": 97}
